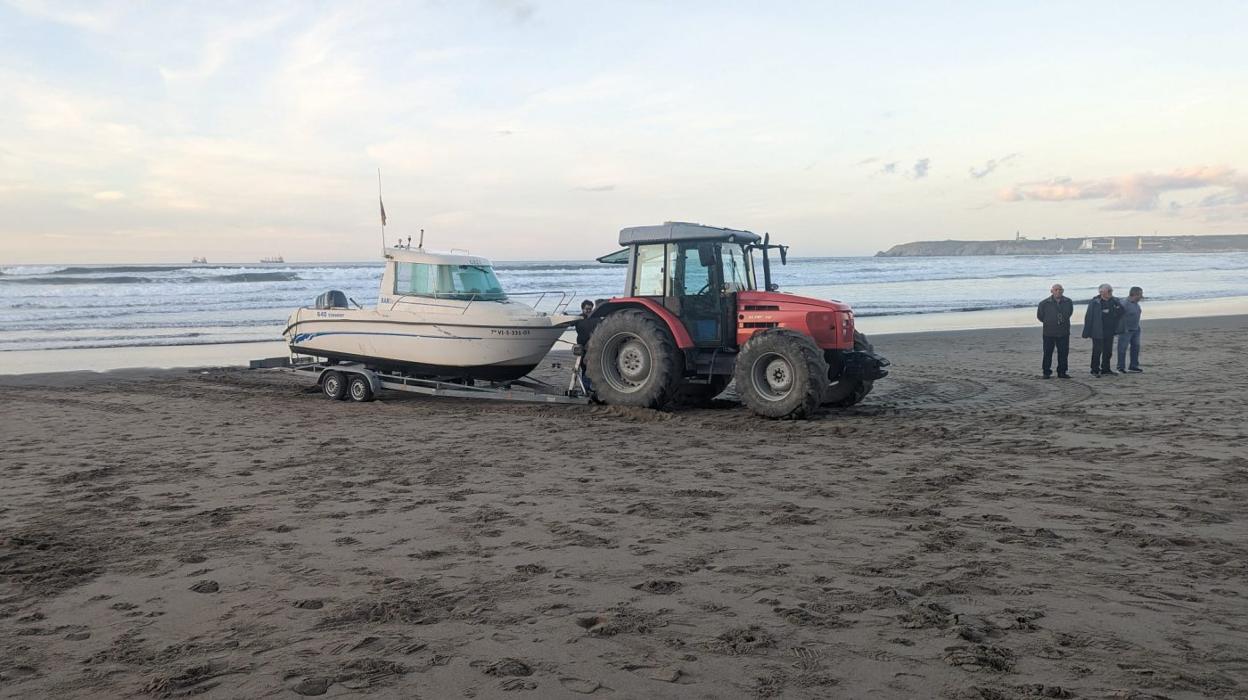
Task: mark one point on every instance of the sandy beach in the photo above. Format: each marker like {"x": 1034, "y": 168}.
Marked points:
{"x": 970, "y": 531}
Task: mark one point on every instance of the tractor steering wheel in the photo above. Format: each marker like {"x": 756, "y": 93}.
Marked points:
{"x": 705, "y": 288}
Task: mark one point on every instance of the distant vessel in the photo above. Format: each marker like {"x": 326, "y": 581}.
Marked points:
{"x": 273, "y": 259}
{"x": 199, "y": 260}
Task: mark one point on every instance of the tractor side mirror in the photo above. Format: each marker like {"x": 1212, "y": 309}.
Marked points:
{"x": 706, "y": 255}
{"x": 784, "y": 255}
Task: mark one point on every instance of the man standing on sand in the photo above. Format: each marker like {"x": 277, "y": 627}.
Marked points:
{"x": 1100, "y": 323}
{"x": 1129, "y": 331}
{"x": 1054, "y": 312}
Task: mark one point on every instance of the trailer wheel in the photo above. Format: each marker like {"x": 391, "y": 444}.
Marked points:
{"x": 334, "y": 385}
{"x": 781, "y": 374}
{"x": 844, "y": 393}
{"x": 359, "y": 389}
{"x": 633, "y": 360}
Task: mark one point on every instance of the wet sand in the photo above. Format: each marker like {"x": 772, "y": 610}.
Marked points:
{"x": 970, "y": 531}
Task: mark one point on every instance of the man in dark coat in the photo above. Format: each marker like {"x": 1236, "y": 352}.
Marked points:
{"x": 1100, "y": 323}
{"x": 1054, "y": 311}
{"x": 584, "y": 329}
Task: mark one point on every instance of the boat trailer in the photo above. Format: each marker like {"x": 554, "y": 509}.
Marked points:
{"x": 353, "y": 381}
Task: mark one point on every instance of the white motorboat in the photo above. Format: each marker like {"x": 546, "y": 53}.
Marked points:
{"x": 437, "y": 315}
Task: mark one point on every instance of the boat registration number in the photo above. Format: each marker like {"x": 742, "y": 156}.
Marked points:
{"x": 508, "y": 331}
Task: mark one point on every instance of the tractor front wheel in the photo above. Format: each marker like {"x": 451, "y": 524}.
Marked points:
{"x": 781, "y": 374}
{"x": 633, "y": 360}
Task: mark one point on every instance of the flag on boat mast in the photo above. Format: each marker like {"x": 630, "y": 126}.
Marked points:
{"x": 382, "y": 205}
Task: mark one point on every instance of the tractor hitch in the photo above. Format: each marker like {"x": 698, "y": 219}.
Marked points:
{"x": 863, "y": 365}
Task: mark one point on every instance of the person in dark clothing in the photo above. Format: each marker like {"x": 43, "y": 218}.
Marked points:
{"x": 1100, "y": 323}
{"x": 1054, "y": 311}
{"x": 585, "y": 326}
{"x": 584, "y": 329}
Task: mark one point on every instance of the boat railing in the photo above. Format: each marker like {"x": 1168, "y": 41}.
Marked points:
{"x": 561, "y": 304}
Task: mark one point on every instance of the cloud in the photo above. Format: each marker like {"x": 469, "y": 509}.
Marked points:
{"x": 978, "y": 173}
{"x": 217, "y": 49}
{"x": 1137, "y": 192}
{"x": 867, "y": 161}
{"x": 88, "y": 16}
{"x": 598, "y": 188}
{"x": 109, "y": 196}
{"x": 917, "y": 172}
{"x": 519, "y": 10}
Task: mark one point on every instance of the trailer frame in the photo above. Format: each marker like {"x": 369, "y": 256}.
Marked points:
{"x": 525, "y": 389}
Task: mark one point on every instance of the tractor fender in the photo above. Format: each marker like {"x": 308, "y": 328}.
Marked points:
{"x": 679, "y": 333}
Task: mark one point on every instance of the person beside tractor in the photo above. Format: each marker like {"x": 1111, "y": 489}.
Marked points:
{"x": 1100, "y": 323}
{"x": 584, "y": 329}
{"x": 1054, "y": 311}
{"x": 1129, "y": 331}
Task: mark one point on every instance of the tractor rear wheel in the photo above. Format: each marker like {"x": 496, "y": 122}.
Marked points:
{"x": 633, "y": 360}
{"x": 845, "y": 392}
{"x": 781, "y": 374}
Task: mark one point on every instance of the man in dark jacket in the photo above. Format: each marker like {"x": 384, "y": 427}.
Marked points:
{"x": 1054, "y": 312}
{"x": 584, "y": 329}
{"x": 1100, "y": 323}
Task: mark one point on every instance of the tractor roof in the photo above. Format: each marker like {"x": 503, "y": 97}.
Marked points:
{"x": 682, "y": 231}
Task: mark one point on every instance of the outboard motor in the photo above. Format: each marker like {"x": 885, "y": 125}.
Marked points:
{"x": 333, "y": 299}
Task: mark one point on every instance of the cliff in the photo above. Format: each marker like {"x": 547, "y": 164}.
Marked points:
{"x": 1064, "y": 246}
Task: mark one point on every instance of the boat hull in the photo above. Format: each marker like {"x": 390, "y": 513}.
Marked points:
{"x": 433, "y": 349}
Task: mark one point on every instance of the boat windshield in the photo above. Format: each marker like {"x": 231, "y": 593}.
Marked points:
{"x": 466, "y": 282}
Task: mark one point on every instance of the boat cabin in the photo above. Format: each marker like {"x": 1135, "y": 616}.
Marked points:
{"x": 444, "y": 276}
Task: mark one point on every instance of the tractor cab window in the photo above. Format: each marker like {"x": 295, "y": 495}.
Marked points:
{"x": 693, "y": 270}
{"x": 738, "y": 268}
{"x": 651, "y": 271}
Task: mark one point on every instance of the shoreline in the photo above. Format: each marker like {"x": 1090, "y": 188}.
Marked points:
{"x": 21, "y": 362}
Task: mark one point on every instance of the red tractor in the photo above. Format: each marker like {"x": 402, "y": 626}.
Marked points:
{"x": 694, "y": 319}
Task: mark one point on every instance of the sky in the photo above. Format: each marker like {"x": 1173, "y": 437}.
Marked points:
{"x": 527, "y": 129}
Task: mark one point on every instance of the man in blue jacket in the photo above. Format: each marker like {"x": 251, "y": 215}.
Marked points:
{"x": 1054, "y": 311}
{"x": 1129, "y": 331}
{"x": 1100, "y": 323}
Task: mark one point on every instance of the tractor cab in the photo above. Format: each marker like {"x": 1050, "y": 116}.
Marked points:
{"x": 694, "y": 272}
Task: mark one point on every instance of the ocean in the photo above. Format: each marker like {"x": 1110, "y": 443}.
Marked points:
{"x": 44, "y": 307}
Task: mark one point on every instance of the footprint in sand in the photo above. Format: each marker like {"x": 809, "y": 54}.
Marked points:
{"x": 206, "y": 586}
{"x": 658, "y": 586}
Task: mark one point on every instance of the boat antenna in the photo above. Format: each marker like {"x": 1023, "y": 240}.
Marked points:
{"x": 382, "y": 205}
{"x": 421, "y": 244}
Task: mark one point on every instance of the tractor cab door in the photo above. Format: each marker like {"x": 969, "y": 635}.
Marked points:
{"x": 688, "y": 278}
{"x": 695, "y": 292}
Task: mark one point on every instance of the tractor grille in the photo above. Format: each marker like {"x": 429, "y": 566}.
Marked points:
{"x": 760, "y": 324}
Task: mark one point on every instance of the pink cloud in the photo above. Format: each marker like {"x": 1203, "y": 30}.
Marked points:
{"x": 1141, "y": 191}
